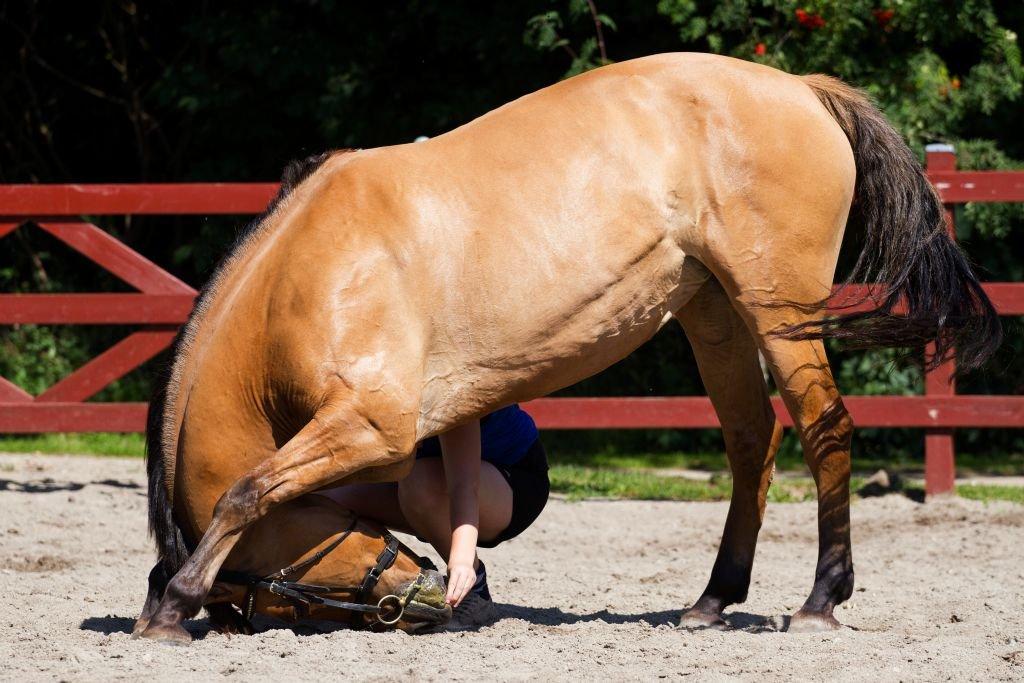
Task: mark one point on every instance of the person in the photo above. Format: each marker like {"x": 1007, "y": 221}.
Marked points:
{"x": 477, "y": 485}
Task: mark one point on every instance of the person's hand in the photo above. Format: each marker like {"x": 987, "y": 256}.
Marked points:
{"x": 461, "y": 577}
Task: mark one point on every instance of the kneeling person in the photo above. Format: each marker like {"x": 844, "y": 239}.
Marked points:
{"x": 479, "y": 484}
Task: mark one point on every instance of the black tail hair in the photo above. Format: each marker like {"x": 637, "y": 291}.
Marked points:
{"x": 907, "y": 249}
{"x": 173, "y": 547}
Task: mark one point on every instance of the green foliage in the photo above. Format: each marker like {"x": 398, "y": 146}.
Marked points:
{"x": 546, "y": 32}
{"x": 35, "y": 357}
{"x": 914, "y": 56}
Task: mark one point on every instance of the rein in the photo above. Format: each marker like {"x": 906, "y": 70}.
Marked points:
{"x": 388, "y": 610}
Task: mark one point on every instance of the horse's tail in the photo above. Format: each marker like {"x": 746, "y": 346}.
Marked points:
{"x": 907, "y": 250}
{"x": 171, "y": 547}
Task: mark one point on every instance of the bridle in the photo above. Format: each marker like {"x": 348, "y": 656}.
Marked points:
{"x": 388, "y": 610}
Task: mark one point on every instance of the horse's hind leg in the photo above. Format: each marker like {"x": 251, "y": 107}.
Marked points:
{"x": 337, "y": 443}
{"x": 802, "y": 373}
{"x": 804, "y": 379}
{"x": 727, "y": 358}
{"x": 158, "y": 578}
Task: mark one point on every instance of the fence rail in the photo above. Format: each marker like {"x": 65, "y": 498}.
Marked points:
{"x": 163, "y": 302}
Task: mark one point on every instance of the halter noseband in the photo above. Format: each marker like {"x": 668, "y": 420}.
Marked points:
{"x": 388, "y": 610}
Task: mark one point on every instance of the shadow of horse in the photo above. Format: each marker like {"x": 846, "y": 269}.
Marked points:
{"x": 49, "y": 485}
{"x": 541, "y": 616}
{"x": 552, "y": 616}
{"x": 200, "y": 628}
{"x": 40, "y": 486}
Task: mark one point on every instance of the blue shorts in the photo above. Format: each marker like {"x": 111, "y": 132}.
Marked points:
{"x": 528, "y": 479}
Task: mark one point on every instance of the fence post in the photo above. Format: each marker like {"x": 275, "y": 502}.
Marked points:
{"x": 939, "y": 456}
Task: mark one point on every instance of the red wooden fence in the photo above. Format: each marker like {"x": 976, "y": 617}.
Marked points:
{"x": 163, "y": 302}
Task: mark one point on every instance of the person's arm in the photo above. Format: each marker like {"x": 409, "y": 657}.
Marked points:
{"x": 460, "y": 448}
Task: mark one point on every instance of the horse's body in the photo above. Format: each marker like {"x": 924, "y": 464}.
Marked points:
{"x": 398, "y": 292}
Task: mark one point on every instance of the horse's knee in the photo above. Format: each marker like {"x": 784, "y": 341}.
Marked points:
{"x": 240, "y": 505}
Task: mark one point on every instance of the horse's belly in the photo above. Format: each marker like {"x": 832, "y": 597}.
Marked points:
{"x": 585, "y": 340}
{"x": 567, "y": 335}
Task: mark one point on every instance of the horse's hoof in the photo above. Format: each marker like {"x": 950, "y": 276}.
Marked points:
{"x": 140, "y": 626}
{"x": 172, "y": 634}
{"x": 693, "y": 619}
{"x": 227, "y": 621}
{"x": 812, "y": 622}
{"x": 240, "y": 629}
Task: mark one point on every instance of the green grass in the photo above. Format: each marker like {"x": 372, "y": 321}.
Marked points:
{"x": 987, "y": 492}
{"x": 579, "y": 483}
{"x": 100, "y": 443}
{"x": 966, "y": 463}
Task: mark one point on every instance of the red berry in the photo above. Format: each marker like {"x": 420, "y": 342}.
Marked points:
{"x": 809, "y": 20}
{"x": 883, "y": 16}
{"x": 760, "y": 49}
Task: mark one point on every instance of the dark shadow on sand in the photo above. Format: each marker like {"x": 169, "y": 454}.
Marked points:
{"x": 49, "y": 485}
{"x": 543, "y": 616}
{"x": 552, "y": 616}
{"x": 200, "y": 628}
{"x": 40, "y": 486}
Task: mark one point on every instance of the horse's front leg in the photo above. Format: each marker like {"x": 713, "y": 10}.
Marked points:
{"x": 338, "y": 442}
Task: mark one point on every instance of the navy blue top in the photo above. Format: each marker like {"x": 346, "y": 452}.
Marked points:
{"x": 505, "y": 436}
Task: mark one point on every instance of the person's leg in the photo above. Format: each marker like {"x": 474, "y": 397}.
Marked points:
{"x": 378, "y": 502}
{"x": 423, "y": 499}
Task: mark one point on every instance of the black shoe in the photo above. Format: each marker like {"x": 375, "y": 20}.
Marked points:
{"x": 480, "y": 586}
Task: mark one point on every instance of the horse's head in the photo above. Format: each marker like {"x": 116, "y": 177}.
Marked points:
{"x": 318, "y": 561}
{"x": 408, "y": 589}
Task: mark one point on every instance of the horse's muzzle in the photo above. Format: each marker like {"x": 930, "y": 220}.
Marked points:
{"x": 428, "y": 605}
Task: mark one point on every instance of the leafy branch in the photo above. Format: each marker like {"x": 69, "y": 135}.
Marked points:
{"x": 547, "y": 32}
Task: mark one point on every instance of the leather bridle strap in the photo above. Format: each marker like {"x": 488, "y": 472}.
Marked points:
{"x": 388, "y": 609}
{"x": 386, "y": 558}
{"x": 320, "y": 554}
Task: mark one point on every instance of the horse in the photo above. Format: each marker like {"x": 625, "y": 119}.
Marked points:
{"x": 391, "y": 294}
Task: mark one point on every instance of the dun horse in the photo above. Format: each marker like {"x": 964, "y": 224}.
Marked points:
{"x": 394, "y": 293}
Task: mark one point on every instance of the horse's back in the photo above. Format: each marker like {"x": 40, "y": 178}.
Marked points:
{"x": 517, "y": 254}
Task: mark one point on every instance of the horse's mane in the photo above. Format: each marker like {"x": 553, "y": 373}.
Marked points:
{"x": 295, "y": 171}
{"x": 172, "y": 547}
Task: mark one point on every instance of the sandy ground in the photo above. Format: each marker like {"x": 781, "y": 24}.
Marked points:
{"x": 591, "y": 591}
